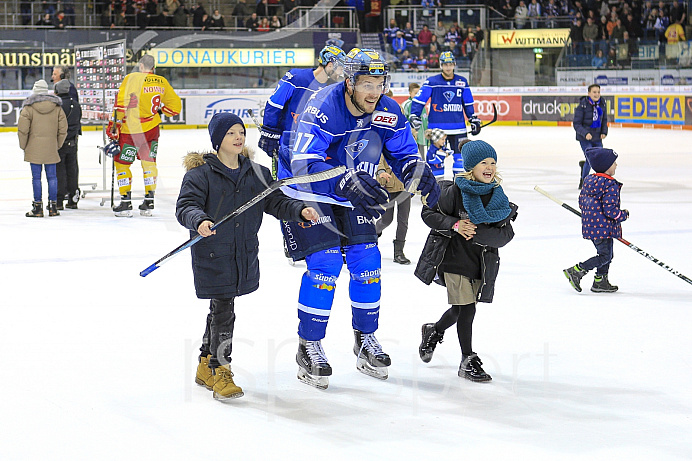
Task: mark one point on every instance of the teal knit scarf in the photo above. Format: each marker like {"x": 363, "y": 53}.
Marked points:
{"x": 497, "y": 209}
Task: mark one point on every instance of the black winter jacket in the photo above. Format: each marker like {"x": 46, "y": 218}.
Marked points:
{"x": 73, "y": 112}
{"x": 583, "y": 118}
{"x": 226, "y": 264}
{"x": 447, "y": 251}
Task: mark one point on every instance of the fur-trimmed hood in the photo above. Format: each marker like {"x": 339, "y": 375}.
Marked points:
{"x": 37, "y": 98}
{"x": 195, "y": 159}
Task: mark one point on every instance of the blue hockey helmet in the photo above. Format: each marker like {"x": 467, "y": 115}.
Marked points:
{"x": 366, "y": 62}
{"x": 331, "y": 53}
{"x": 112, "y": 149}
{"x": 447, "y": 57}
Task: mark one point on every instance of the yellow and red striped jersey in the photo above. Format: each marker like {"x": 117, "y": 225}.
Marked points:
{"x": 140, "y": 97}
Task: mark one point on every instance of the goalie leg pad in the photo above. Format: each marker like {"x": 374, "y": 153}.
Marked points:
{"x": 317, "y": 293}
{"x": 364, "y": 263}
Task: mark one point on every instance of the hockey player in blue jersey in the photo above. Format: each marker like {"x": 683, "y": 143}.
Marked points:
{"x": 450, "y": 99}
{"x": 292, "y": 92}
{"x": 351, "y": 123}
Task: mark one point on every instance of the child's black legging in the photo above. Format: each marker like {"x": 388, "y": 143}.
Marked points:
{"x": 463, "y": 317}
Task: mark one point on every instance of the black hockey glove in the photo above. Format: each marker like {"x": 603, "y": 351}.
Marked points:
{"x": 475, "y": 125}
{"x": 417, "y": 176}
{"x": 362, "y": 190}
{"x": 415, "y": 122}
{"x": 269, "y": 140}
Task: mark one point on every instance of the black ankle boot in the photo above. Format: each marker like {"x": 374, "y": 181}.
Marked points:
{"x": 399, "y": 257}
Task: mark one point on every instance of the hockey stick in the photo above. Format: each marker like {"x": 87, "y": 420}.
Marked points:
{"x": 314, "y": 177}
{"x": 275, "y": 158}
{"x": 634, "y": 247}
{"x": 494, "y": 117}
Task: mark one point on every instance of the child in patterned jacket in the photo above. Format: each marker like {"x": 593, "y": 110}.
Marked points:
{"x": 601, "y": 216}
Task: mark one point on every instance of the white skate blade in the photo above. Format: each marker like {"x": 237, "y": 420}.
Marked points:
{"x": 376, "y": 372}
{"x": 320, "y": 382}
{"x": 124, "y": 214}
{"x": 146, "y": 212}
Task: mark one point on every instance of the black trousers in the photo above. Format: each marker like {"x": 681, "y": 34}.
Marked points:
{"x": 463, "y": 317}
{"x": 67, "y": 169}
{"x": 218, "y": 334}
{"x": 403, "y": 204}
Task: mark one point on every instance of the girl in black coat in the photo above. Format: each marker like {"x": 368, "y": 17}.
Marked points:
{"x": 225, "y": 263}
{"x": 590, "y": 124}
{"x": 470, "y": 222}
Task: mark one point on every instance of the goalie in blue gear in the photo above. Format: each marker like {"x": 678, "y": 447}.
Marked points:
{"x": 451, "y": 103}
{"x": 351, "y": 123}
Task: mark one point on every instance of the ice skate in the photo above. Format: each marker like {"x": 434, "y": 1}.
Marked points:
{"x": 204, "y": 376}
{"x": 574, "y": 274}
{"x": 124, "y": 209}
{"x": 471, "y": 369}
{"x": 313, "y": 368}
{"x": 147, "y": 206}
{"x": 602, "y": 285}
{"x": 224, "y": 387}
{"x": 431, "y": 338}
{"x": 372, "y": 361}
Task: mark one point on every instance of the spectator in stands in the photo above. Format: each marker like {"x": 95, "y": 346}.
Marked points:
{"x": 440, "y": 29}
{"x": 424, "y": 38}
{"x": 262, "y": 9}
{"x": 650, "y": 25}
{"x": 434, "y": 57}
{"x": 59, "y": 21}
{"x": 68, "y": 8}
{"x": 421, "y": 61}
{"x": 241, "y": 13}
{"x": 612, "y": 59}
{"x": 107, "y": 20}
{"x": 47, "y": 8}
{"x": 677, "y": 13}
{"x": 661, "y": 25}
{"x": 120, "y": 22}
{"x": 264, "y": 25}
{"x": 480, "y": 35}
{"x": 663, "y": 7}
{"x": 612, "y": 22}
{"x": 407, "y": 62}
{"x": 633, "y": 26}
{"x": 590, "y": 31}
{"x": 25, "y": 12}
{"x": 198, "y": 13}
{"x": 520, "y": 15}
{"x": 434, "y": 41}
{"x": 575, "y": 33}
{"x": 399, "y": 44}
{"x": 618, "y": 31}
{"x": 675, "y": 33}
{"x": 507, "y": 10}
{"x": 646, "y": 11}
{"x": 252, "y": 22}
{"x": 390, "y": 32}
{"x": 552, "y": 11}
{"x": 180, "y": 17}
{"x": 275, "y": 23}
{"x": 429, "y": 6}
{"x": 45, "y": 20}
{"x": 452, "y": 35}
{"x": 630, "y": 44}
{"x": 598, "y": 61}
{"x": 469, "y": 46}
{"x": 535, "y": 12}
{"x": 215, "y": 21}
{"x": 409, "y": 34}
{"x": 289, "y": 5}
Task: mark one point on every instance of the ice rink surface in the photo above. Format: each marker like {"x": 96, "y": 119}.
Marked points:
{"x": 99, "y": 363}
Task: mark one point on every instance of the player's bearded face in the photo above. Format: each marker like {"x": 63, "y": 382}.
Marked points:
{"x": 367, "y": 92}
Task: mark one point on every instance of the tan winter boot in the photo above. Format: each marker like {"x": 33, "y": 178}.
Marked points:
{"x": 204, "y": 376}
{"x": 224, "y": 387}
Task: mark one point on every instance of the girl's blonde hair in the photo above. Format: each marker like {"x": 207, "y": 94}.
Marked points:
{"x": 469, "y": 175}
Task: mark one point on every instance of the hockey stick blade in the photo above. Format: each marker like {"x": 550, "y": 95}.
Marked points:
{"x": 494, "y": 117}
{"x": 308, "y": 178}
{"x": 622, "y": 240}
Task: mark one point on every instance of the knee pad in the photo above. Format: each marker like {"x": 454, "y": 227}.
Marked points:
{"x": 124, "y": 177}
{"x": 317, "y": 292}
{"x": 150, "y": 175}
{"x": 365, "y": 289}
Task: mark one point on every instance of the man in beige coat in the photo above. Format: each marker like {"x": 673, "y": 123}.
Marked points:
{"x": 42, "y": 129}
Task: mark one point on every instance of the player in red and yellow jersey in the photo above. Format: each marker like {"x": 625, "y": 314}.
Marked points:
{"x": 142, "y": 98}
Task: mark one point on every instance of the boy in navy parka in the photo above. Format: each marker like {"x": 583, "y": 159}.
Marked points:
{"x": 601, "y": 216}
{"x": 225, "y": 263}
